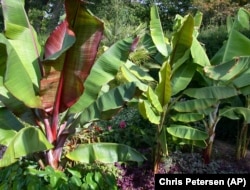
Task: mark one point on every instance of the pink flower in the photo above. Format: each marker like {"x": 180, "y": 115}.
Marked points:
{"x": 109, "y": 128}
{"x": 122, "y": 124}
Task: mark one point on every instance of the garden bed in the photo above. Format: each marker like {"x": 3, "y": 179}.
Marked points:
{"x": 141, "y": 177}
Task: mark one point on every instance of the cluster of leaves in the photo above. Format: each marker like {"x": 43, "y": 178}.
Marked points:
{"x": 25, "y": 175}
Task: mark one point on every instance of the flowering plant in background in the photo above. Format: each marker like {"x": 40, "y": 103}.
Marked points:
{"x": 122, "y": 124}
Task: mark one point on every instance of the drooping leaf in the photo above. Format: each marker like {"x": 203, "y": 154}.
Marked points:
{"x": 236, "y": 113}
{"x": 108, "y": 103}
{"x": 185, "y": 132}
{"x": 105, "y": 153}
{"x": 26, "y": 141}
{"x": 229, "y": 70}
{"x": 23, "y": 53}
{"x": 211, "y": 92}
{"x": 196, "y": 105}
{"x": 187, "y": 117}
{"x": 157, "y": 32}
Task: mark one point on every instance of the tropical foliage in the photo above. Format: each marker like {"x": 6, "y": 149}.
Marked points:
{"x": 53, "y": 94}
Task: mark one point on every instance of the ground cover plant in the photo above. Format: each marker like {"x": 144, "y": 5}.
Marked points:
{"x": 88, "y": 108}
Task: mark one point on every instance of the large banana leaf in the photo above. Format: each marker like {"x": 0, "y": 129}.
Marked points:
{"x": 182, "y": 41}
{"x": 182, "y": 77}
{"x": 26, "y": 141}
{"x": 187, "y": 117}
{"x": 212, "y": 92}
{"x": 195, "y": 105}
{"x": 185, "y": 132}
{"x": 103, "y": 71}
{"x": 108, "y": 103}
{"x": 105, "y": 153}
{"x": 6, "y": 99}
{"x": 23, "y": 53}
{"x": 157, "y": 32}
{"x": 229, "y": 70}
{"x": 236, "y": 113}
{"x": 237, "y": 43}
{"x": 64, "y": 77}
{"x": 198, "y": 54}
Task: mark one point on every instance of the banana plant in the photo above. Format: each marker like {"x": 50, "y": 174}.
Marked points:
{"x": 232, "y": 69}
{"x": 177, "y": 59}
{"x": 43, "y": 98}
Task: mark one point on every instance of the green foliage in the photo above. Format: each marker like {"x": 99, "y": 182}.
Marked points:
{"x": 25, "y": 175}
{"x": 64, "y": 78}
{"x": 213, "y": 38}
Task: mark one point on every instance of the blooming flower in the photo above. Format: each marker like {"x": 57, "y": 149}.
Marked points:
{"x": 122, "y": 124}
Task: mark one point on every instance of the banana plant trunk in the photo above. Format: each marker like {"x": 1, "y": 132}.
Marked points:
{"x": 211, "y": 126}
{"x": 242, "y": 142}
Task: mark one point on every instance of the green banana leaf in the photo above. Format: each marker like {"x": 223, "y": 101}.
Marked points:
{"x": 195, "y": 105}
{"x": 153, "y": 99}
{"x": 9, "y": 126}
{"x": 237, "y": 42}
{"x": 182, "y": 41}
{"x": 236, "y": 113}
{"x": 5, "y": 97}
{"x": 182, "y": 77}
{"x": 228, "y": 71}
{"x": 185, "y": 132}
{"x": 138, "y": 72}
{"x": 150, "y": 107}
{"x": 187, "y": 117}
{"x": 105, "y": 153}
{"x": 26, "y": 141}
{"x": 163, "y": 89}
{"x": 149, "y": 112}
{"x": 198, "y": 54}
{"x": 157, "y": 32}
{"x": 242, "y": 80}
{"x": 128, "y": 76}
{"x": 23, "y": 53}
{"x": 211, "y": 92}
{"x": 108, "y": 103}
{"x": 197, "y": 143}
{"x": 104, "y": 70}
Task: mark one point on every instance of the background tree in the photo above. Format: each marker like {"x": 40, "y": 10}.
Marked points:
{"x": 169, "y": 8}
{"x": 44, "y": 15}
{"x": 122, "y": 17}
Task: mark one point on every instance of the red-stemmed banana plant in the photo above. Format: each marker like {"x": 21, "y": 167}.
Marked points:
{"x": 36, "y": 90}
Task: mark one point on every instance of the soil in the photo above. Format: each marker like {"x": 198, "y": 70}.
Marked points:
{"x": 226, "y": 151}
